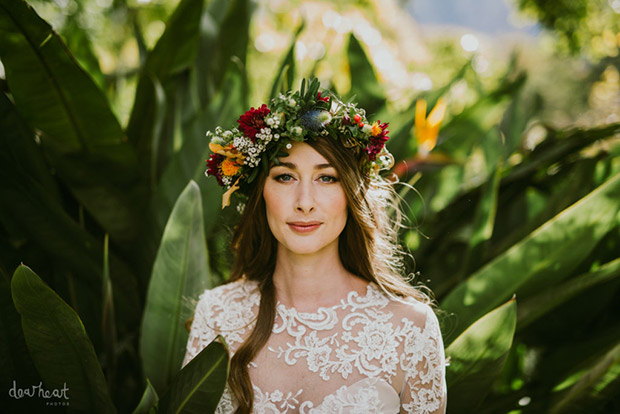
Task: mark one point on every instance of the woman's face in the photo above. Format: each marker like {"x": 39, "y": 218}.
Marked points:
{"x": 306, "y": 204}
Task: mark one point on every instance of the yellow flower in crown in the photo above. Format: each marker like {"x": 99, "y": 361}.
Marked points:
{"x": 227, "y": 151}
{"x": 427, "y": 129}
{"x": 230, "y": 167}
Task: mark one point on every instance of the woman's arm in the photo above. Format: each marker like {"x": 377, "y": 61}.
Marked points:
{"x": 424, "y": 389}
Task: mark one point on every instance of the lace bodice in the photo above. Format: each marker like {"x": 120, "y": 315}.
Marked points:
{"x": 366, "y": 354}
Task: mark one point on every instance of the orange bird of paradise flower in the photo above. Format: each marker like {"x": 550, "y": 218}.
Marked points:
{"x": 426, "y": 129}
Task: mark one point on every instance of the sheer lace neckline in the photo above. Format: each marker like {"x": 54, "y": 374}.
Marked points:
{"x": 351, "y": 296}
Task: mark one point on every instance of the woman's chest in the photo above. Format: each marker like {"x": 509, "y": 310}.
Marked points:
{"x": 310, "y": 363}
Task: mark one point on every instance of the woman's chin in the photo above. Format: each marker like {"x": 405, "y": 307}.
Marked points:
{"x": 304, "y": 248}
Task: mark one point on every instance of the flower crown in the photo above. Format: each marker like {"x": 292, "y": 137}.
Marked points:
{"x": 266, "y": 132}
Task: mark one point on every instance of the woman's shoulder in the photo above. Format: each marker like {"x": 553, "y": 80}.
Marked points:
{"x": 229, "y": 310}
{"x": 241, "y": 292}
{"x": 412, "y": 310}
{"x": 230, "y": 288}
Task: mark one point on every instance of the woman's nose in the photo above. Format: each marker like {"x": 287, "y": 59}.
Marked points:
{"x": 305, "y": 202}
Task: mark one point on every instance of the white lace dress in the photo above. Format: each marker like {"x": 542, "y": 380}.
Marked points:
{"x": 366, "y": 354}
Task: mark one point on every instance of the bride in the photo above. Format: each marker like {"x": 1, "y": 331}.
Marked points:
{"x": 317, "y": 315}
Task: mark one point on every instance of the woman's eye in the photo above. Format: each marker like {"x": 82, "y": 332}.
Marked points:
{"x": 284, "y": 178}
{"x": 328, "y": 179}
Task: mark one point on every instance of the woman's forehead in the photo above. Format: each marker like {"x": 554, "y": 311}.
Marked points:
{"x": 294, "y": 166}
{"x": 303, "y": 155}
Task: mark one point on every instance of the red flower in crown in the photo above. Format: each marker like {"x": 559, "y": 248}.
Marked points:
{"x": 324, "y": 99}
{"x": 378, "y": 139}
{"x": 253, "y": 120}
{"x": 213, "y": 167}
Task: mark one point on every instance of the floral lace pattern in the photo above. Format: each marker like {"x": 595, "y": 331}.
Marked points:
{"x": 394, "y": 346}
{"x": 364, "y": 397}
{"x": 276, "y": 402}
{"x": 227, "y": 310}
{"x": 376, "y": 340}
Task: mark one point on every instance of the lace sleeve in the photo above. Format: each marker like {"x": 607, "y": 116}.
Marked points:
{"x": 423, "y": 360}
{"x": 200, "y": 334}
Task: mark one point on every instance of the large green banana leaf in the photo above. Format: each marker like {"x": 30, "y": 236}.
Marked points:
{"x": 597, "y": 383}
{"x": 149, "y": 401}
{"x": 180, "y": 273}
{"x": 79, "y": 42}
{"x": 546, "y": 256}
{"x": 546, "y": 301}
{"x": 174, "y": 53}
{"x": 484, "y": 220}
{"x": 477, "y": 357}
{"x": 200, "y": 384}
{"x": 50, "y": 89}
{"x": 17, "y": 366}
{"x": 79, "y": 132}
{"x": 59, "y": 345}
{"x": 32, "y": 208}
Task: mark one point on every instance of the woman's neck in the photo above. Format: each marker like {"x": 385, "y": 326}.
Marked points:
{"x": 307, "y": 282}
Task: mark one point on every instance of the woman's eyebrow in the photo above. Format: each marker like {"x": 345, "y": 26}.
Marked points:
{"x": 294, "y": 167}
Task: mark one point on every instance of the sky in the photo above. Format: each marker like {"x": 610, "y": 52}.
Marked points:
{"x": 485, "y": 16}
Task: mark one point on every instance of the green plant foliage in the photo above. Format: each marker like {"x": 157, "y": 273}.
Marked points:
{"x": 483, "y": 224}
{"x": 580, "y": 25}
{"x": 286, "y": 74}
{"x": 549, "y": 299}
{"x": 541, "y": 259}
{"x": 225, "y": 32}
{"x": 58, "y": 344}
{"x": 198, "y": 387}
{"x": 80, "y": 132}
{"x": 108, "y": 319}
{"x": 477, "y": 357}
{"x": 206, "y": 104}
{"x": 173, "y": 54}
{"x": 81, "y": 47}
{"x": 367, "y": 93}
{"x": 36, "y": 213}
{"x": 31, "y": 53}
{"x": 180, "y": 272}
{"x": 599, "y": 381}
{"x": 17, "y": 365}
{"x": 232, "y": 38}
{"x": 149, "y": 401}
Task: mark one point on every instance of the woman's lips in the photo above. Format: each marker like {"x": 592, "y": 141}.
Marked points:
{"x": 304, "y": 227}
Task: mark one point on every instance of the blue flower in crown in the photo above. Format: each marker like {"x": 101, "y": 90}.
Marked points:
{"x": 315, "y": 119}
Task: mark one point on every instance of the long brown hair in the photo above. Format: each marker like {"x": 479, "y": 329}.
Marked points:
{"x": 368, "y": 248}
